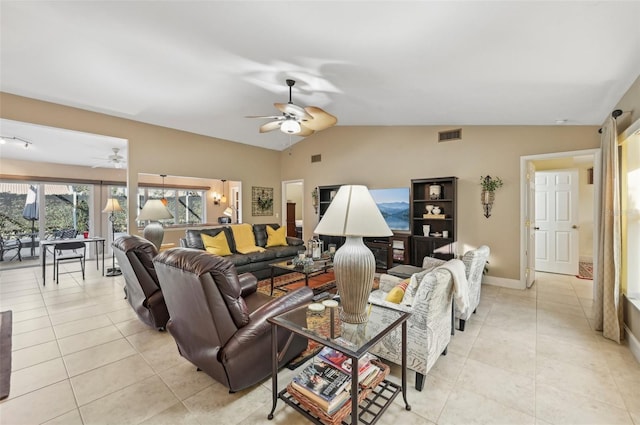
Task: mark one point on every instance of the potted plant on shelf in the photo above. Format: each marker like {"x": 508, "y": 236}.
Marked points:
{"x": 489, "y": 186}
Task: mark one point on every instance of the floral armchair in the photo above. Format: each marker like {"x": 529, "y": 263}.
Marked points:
{"x": 474, "y": 262}
{"x": 429, "y": 298}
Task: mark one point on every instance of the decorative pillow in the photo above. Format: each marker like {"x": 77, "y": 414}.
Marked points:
{"x": 397, "y": 293}
{"x": 244, "y": 238}
{"x": 276, "y": 237}
{"x": 216, "y": 244}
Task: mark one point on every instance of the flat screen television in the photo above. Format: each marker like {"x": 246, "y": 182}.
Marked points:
{"x": 394, "y": 206}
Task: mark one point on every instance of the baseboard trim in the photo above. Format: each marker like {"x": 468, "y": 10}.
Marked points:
{"x": 503, "y": 282}
{"x": 634, "y": 344}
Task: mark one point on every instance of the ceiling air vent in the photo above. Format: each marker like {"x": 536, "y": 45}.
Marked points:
{"x": 449, "y": 135}
{"x": 316, "y": 158}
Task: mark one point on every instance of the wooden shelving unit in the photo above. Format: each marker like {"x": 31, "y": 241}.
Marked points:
{"x": 433, "y": 244}
{"x": 325, "y": 196}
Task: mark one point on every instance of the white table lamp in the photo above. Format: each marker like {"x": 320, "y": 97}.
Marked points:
{"x": 153, "y": 211}
{"x": 354, "y": 214}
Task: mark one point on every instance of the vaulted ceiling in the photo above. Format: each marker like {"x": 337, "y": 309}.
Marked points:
{"x": 203, "y": 66}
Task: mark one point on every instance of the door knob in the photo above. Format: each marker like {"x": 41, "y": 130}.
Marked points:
{"x": 536, "y": 228}
{"x": 574, "y": 226}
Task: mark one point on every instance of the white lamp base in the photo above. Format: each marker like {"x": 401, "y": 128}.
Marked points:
{"x": 154, "y": 233}
{"x": 354, "y": 266}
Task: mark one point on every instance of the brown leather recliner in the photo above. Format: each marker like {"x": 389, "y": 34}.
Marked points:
{"x": 219, "y": 320}
{"x": 135, "y": 257}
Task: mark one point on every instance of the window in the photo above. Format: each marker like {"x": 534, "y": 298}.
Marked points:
{"x": 631, "y": 215}
{"x": 186, "y": 206}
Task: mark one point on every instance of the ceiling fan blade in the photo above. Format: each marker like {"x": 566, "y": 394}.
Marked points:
{"x": 270, "y": 126}
{"x": 321, "y": 119}
{"x": 304, "y": 130}
{"x": 267, "y": 117}
{"x": 291, "y": 109}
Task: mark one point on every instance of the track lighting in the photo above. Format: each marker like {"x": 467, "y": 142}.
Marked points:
{"x": 20, "y": 141}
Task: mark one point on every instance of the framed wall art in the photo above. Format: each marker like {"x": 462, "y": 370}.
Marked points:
{"x": 261, "y": 201}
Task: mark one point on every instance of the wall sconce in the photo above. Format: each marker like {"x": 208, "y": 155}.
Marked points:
{"x": 487, "y": 197}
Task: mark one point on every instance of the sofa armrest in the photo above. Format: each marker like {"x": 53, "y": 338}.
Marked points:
{"x": 248, "y": 284}
{"x": 183, "y": 243}
{"x": 245, "y": 337}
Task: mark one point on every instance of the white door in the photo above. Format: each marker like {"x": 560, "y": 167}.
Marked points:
{"x": 556, "y": 214}
{"x": 530, "y": 222}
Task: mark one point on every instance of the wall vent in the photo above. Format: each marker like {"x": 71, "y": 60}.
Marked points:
{"x": 449, "y": 135}
{"x": 316, "y": 158}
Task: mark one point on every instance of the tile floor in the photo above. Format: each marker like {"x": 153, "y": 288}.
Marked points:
{"x": 527, "y": 357}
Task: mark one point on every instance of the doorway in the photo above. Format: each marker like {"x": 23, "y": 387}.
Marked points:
{"x": 557, "y": 218}
{"x": 293, "y": 206}
{"x": 587, "y": 209}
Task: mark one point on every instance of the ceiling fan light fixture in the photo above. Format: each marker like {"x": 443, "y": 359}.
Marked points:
{"x": 290, "y": 127}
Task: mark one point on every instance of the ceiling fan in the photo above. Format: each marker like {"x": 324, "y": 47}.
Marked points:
{"x": 115, "y": 160}
{"x": 297, "y": 120}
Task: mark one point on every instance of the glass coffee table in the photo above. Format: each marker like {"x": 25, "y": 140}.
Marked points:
{"x": 354, "y": 340}
{"x": 318, "y": 267}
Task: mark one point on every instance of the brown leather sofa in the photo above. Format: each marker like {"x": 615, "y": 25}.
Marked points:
{"x": 219, "y": 319}
{"x": 142, "y": 289}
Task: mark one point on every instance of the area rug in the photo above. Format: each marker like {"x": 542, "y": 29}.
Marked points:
{"x": 291, "y": 281}
{"x": 585, "y": 270}
{"x": 6, "y": 319}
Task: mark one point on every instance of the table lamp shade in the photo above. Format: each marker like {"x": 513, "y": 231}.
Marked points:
{"x": 353, "y": 213}
{"x": 154, "y": 210}
{"x": 228, "y": 212}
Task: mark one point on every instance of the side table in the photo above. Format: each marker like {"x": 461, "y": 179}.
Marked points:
{"x": 355, "y": 341}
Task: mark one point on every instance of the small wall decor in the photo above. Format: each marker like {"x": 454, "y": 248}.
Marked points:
{"x": 487, "y": 197}
{"x": 261, "y": 201}
{"x": 314, "y": 199}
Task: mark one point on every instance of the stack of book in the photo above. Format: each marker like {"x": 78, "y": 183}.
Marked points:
{"x": 326, "y": 382}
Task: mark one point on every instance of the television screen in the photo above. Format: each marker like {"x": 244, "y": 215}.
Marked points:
{"x": 394, "y": 206}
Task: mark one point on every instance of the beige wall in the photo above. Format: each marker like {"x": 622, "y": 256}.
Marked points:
{"x": 391, "y": 156}
{"x": 159, "y": 150}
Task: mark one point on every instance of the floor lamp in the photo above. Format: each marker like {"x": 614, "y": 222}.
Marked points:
{"x": 112, "y": 206}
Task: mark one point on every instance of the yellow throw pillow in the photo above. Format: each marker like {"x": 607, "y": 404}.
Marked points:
{"x": 397, "y": 293}
{"x": 217, "y": 244}
{"x": 244, "y": 238}
{"x": 276, "y": 237}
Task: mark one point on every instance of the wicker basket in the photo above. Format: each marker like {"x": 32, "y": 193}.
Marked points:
{"x": 338, "y": 416}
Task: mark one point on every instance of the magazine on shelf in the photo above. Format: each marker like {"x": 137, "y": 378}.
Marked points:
{"x": 330, "y": 407}
{"x": 322, "y": 380}
{"x": 342, "y": 362}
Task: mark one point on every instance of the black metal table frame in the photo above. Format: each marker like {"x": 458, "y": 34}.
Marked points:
{"x": 353, "y": 355}
{"x": 54, "y": 242}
